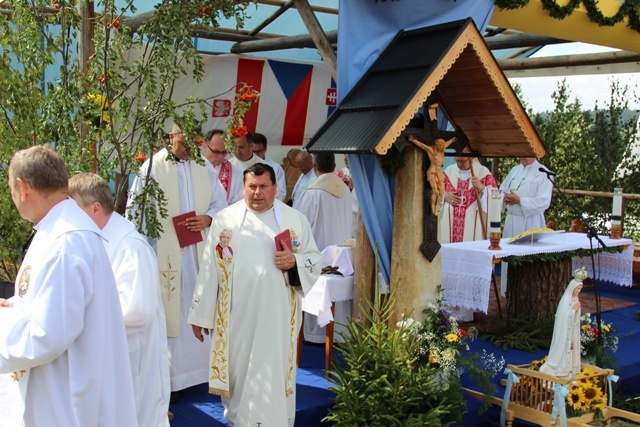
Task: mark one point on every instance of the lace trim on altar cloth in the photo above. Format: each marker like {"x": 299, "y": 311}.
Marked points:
{"x": 466, "y": 290}
{"x": 611, "y": 268}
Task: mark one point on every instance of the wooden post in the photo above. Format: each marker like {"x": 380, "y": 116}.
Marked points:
{"x": 86, "y": 49}
{"x": 317, "y": 34}
{"x": 364, "y": 272}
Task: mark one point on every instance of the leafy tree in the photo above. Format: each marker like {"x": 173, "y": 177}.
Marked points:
{"x": 590, "y": 150}
{"x": 104, "y": 113}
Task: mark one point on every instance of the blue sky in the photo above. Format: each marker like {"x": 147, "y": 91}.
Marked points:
{"x": 587, "y": 88}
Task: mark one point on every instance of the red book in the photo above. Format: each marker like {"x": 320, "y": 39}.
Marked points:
{"x": 186, "y": 237}
{"x": 283, "y": 240}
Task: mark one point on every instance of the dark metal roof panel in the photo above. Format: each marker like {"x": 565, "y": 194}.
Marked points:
{"x": 375, "y": 102}
{"x": 347, "y": 132}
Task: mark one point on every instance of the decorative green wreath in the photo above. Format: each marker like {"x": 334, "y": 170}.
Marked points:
{"x": 630, "y": 8}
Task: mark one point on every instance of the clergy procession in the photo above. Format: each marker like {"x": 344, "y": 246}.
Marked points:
{"x": 225, "y": 309}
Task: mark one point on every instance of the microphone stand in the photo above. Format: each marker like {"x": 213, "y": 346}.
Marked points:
{"x": 591, "y": 234}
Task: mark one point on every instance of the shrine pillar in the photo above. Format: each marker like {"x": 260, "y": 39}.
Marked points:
{"x": 413, "y": 277}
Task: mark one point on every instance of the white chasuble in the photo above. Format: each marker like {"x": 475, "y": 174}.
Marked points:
{"x": 254, "y": 314}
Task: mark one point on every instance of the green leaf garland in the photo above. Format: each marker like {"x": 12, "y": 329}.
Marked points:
{"x": 556, "y": 256}
{"x": 630, "y": 9}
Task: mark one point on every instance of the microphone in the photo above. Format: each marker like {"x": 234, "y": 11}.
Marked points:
{"x": 548, "y": 172}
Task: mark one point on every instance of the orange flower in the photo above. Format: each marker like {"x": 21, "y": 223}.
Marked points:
{"x": 239, "y": 132}
{"x": 141, "y": 157}
{"x": 200, "y": 142}
{"x": 247, "y": 97}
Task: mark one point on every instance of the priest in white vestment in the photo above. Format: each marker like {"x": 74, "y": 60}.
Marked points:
{"x": 527, "y": 195}
{"x": 259, "y": 147}
{"x": 229, "y": 175}
{"x": 135, "y": 268}
{"x": 249, "y": 298}
{"x": 461, "y": 219}
{"x": 243, "y": 157}
{"x": 308, "y": 176}
{"x": 327, "y": 205}
{"x": 187, "y": 187}
{"x": 62, "y": 337}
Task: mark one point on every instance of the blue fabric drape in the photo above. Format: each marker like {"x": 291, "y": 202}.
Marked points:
{"x": 365, "y": 28}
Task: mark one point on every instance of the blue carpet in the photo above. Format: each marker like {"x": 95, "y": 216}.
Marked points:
{"x": 198, "y": 408}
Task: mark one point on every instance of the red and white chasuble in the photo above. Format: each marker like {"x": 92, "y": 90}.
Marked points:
{"x": 463, "y": 222}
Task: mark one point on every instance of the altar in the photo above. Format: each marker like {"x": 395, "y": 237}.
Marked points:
{"x": 467, "y": 266}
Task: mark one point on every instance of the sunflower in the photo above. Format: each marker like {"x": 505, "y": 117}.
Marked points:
{"x": 600, "y": 404}
{"x": 592, "y": 393}
{"x": 575, "y": 398}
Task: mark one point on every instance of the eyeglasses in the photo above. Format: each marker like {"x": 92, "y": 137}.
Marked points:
{"x": 224, "y": 152}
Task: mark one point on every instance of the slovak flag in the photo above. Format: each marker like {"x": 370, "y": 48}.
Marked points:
{"x": 295, "y": 97}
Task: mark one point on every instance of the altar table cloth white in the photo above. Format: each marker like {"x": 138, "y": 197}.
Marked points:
{"x": 467, "y": 266}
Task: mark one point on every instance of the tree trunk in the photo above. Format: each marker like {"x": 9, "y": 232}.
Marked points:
{"x": 534, "y": 289}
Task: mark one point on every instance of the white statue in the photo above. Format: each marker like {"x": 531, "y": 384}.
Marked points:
{"x": 564, "y": 354}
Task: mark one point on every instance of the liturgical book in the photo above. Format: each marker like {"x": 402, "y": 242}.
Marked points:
{"x": 186, "y": 237}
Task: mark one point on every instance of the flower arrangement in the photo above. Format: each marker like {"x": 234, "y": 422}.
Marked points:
{"x": 441, "y": 342}
{"x": 585, "y": 392}
{"x": 590, "y": 348}
{"x": 245, "y": 97}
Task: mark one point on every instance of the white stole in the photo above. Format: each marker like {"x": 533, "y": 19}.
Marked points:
{"x": 169, "y": 251}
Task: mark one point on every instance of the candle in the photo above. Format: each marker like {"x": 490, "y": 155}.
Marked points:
{"x": 495, "y": 211}
{"x": 617, "y": 205}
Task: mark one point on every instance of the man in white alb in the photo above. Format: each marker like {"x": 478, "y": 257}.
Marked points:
{"x": 249, "y": 299}
{"x": 229, "y": 175}
{"x": 135, "y": 268}
{"x": 527, "y": 195}
{"x": 258, "y": 144}
{"x": 243, "y": 157}
{"x": 304, "y": 162}
{"x": 188, "y": 187}
{"x": 62, "y": 337}
{"x": 327, "y": 205}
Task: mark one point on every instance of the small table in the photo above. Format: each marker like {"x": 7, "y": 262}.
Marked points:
{"x": 328, "y": 289}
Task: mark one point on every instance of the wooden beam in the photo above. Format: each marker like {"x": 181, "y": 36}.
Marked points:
{"x": 319, "y": 9}
{"x": 319, "y": 37}
{"x": 282, "y": 9}
{"x": 592, "y": 63}
{"x": 277, "y": 43}
{"x": 520, "y": 40}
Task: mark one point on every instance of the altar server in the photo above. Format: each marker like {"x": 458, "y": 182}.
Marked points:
{"x": 135, "y": 269}
{"x": 62, "y": 336}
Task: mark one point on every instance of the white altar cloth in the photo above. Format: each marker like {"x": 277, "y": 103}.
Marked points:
{"x": 467, "y": 266}
{"x": 329, "y": 288}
